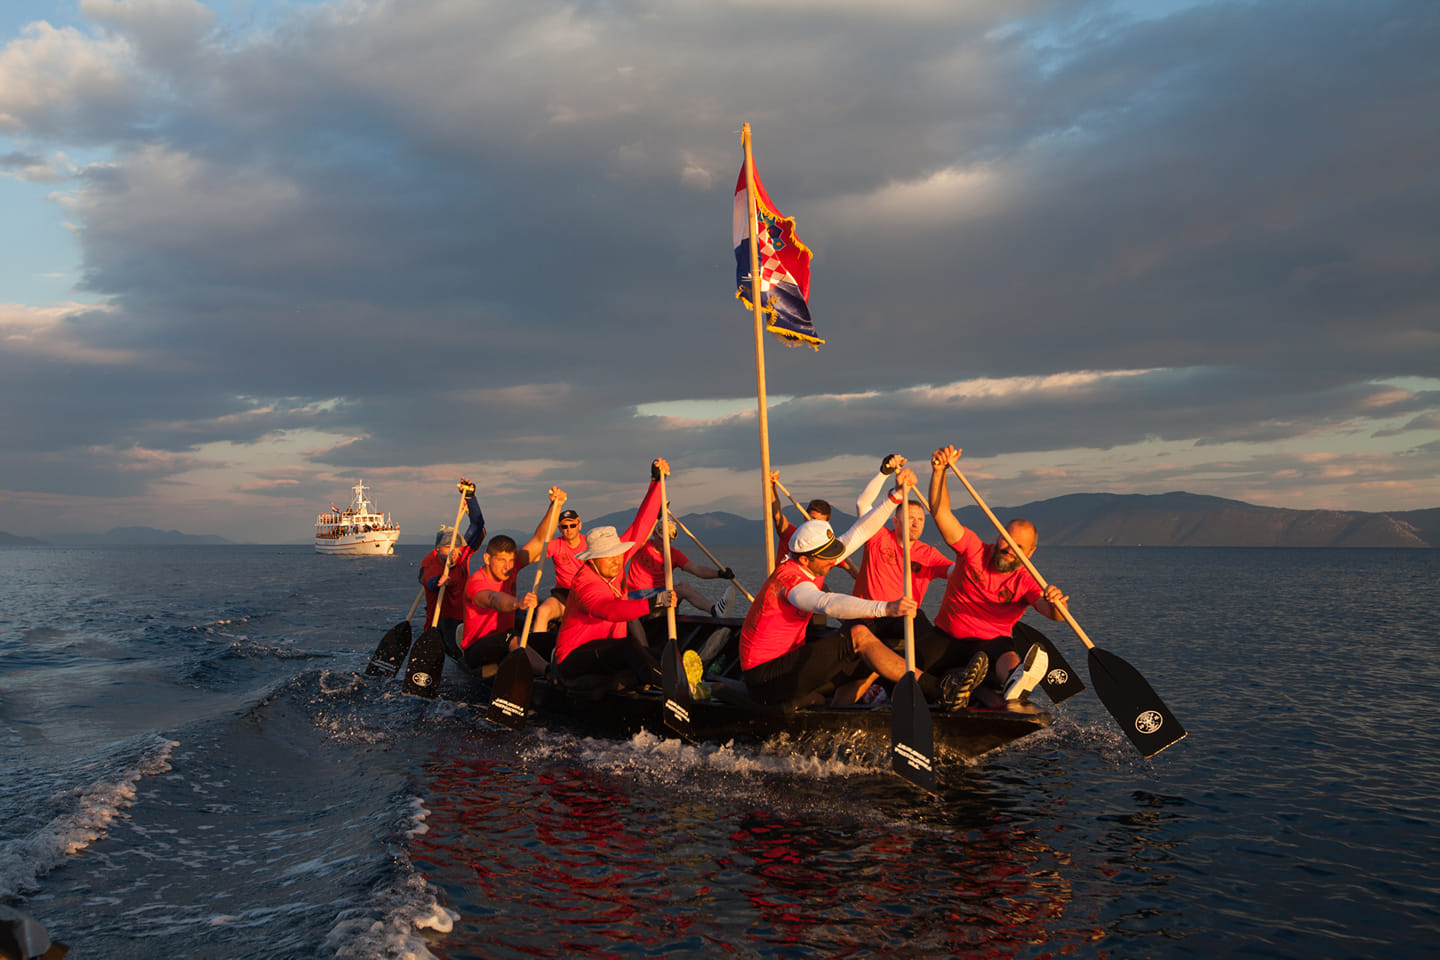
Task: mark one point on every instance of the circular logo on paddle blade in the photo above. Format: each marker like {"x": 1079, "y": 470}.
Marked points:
{"x": 420, "y": 679}
{"x": 1149, "y": 722}
{"x": 1059, "y": 676}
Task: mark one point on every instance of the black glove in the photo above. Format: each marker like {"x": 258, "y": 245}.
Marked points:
{"x": 888, "y": 465}
{"x": 656, "y": 604}
{"x": 654, "y": 470}
{"x": 727, "y": 574}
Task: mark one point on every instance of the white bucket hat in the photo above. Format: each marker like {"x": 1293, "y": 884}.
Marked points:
{"x": 603, "y": 542}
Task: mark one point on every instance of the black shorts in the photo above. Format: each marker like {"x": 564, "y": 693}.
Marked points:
{"x": 892, "y": 629}
{"x": 487, "y": 648}
{"x": 621, "y": 659}
{"x": 815, "y": 667}
{"x": 937, "y": 652}
{"x": 560, "y": 593}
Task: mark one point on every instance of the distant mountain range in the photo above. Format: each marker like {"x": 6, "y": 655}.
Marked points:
{"x": 118, "y": 537}
{"x": 1075, "y": 520}
{"x": 1159, "y": 520}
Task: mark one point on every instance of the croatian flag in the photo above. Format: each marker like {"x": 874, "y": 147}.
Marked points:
{"x": 784, "y": 266}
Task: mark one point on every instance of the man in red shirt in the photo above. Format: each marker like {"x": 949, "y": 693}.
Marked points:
{"x": 987, "y": 593}
{"x": 593, "y": 649}
{"x": 646, "y": 572}
{"x": 883, "y": 561}
{"x": 491, "y": 596}
{"x": 440, "y": 566}
{"x": 563, "y": 551}
{"x": 779, "y": 665}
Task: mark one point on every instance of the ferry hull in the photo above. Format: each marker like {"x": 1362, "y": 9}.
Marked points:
{"x": 380, "y": 544}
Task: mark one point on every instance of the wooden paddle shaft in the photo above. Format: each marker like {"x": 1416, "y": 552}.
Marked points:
{"x": 552, "y": 518}
{"x": 905, "y": 573}
{"x": 416, "y": 605}
{"x": 665, "y": 549}
{"x": 454, "y": 534}
{"x": 718, "y": 565}
{"x": 1064, "y": 612}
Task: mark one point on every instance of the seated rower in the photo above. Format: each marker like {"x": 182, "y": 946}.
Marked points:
{"x": 779, "y": 665}
{"x": 647, "y": 572}
{"x": 563, "y": 550}
{"x": 988, "y": 591}
{"x": 491, "y": 597}
{"x": 882, "y": 561}
{"x": 594, "y": 649}
{"x": 442, "y": 566}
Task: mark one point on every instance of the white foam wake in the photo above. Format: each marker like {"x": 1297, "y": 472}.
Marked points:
{"x": 405, "y": 906}
{"x": 87, "y": 813}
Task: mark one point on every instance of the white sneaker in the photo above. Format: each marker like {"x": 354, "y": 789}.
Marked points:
{"x": 717, "y": 609}
{"x": 1030, "y": 672}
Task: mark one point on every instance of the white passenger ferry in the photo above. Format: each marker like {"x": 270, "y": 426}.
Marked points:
{"x": 359, "y": 530}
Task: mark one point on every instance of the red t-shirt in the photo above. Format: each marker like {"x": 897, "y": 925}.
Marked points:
{"x": 563, "y": 556}
{"x": 884, "y": 557}
{"x": 647, "y": 570}
{"x": 979, "y": 602}
{"x": 433, "y": 566}
{"x": 774, "y": 626}
{"x": 597, "y": 608}
{"x": 482, "y": 620}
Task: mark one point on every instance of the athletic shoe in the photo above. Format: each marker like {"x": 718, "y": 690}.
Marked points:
{"x": 694, "y": 671}
{"x": 717, "y": 609}
{"x": 957, "y": 686}
{"x": 1030, "y": 672}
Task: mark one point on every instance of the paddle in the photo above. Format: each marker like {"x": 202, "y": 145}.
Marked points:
{"x": 391, "y": 651}
{"x": 427, "y": 656}
{"x": 805, "y": 515}
{"x": 912, "y": 739}
{"x": 1060, "y": 682}
{"x": 672, "y": 671}
{"x": 718, "y": 565}
{"x": 515, "y": 679}
{"x": 1138, "y": 709}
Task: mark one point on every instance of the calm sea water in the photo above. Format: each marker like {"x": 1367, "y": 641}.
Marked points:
{"x": 194, "y": 767}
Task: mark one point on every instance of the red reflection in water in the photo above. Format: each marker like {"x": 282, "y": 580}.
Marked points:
{"x": 573, "y": 861}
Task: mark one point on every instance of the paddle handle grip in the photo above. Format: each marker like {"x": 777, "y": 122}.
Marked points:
{"x": 454, "y": 535}
{"x": 1064, "y": 611}
{"x": 718, "y": 565}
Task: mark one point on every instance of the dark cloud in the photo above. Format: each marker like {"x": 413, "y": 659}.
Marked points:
{"x": 497, "y": 229}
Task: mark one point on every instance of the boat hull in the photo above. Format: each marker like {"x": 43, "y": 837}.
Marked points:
{"x": 959, "y": 735}
{"x": 380, "y": 543}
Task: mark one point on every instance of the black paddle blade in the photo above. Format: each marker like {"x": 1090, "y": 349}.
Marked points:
{"x": 1141, "y": 714}
{"x": 1061, "y": 681}
{"x": 388, "y": 656}
{"x": 427, "y": 662}
{"x": 677, "y": 692}
{"x": 912, "y": 741}
{"x": 513, "y": 683}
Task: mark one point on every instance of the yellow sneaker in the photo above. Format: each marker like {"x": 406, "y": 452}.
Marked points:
{"x": 694, "y": 670}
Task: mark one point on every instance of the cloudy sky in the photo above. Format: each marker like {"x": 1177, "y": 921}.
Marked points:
{"x": 253, "y": 251}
